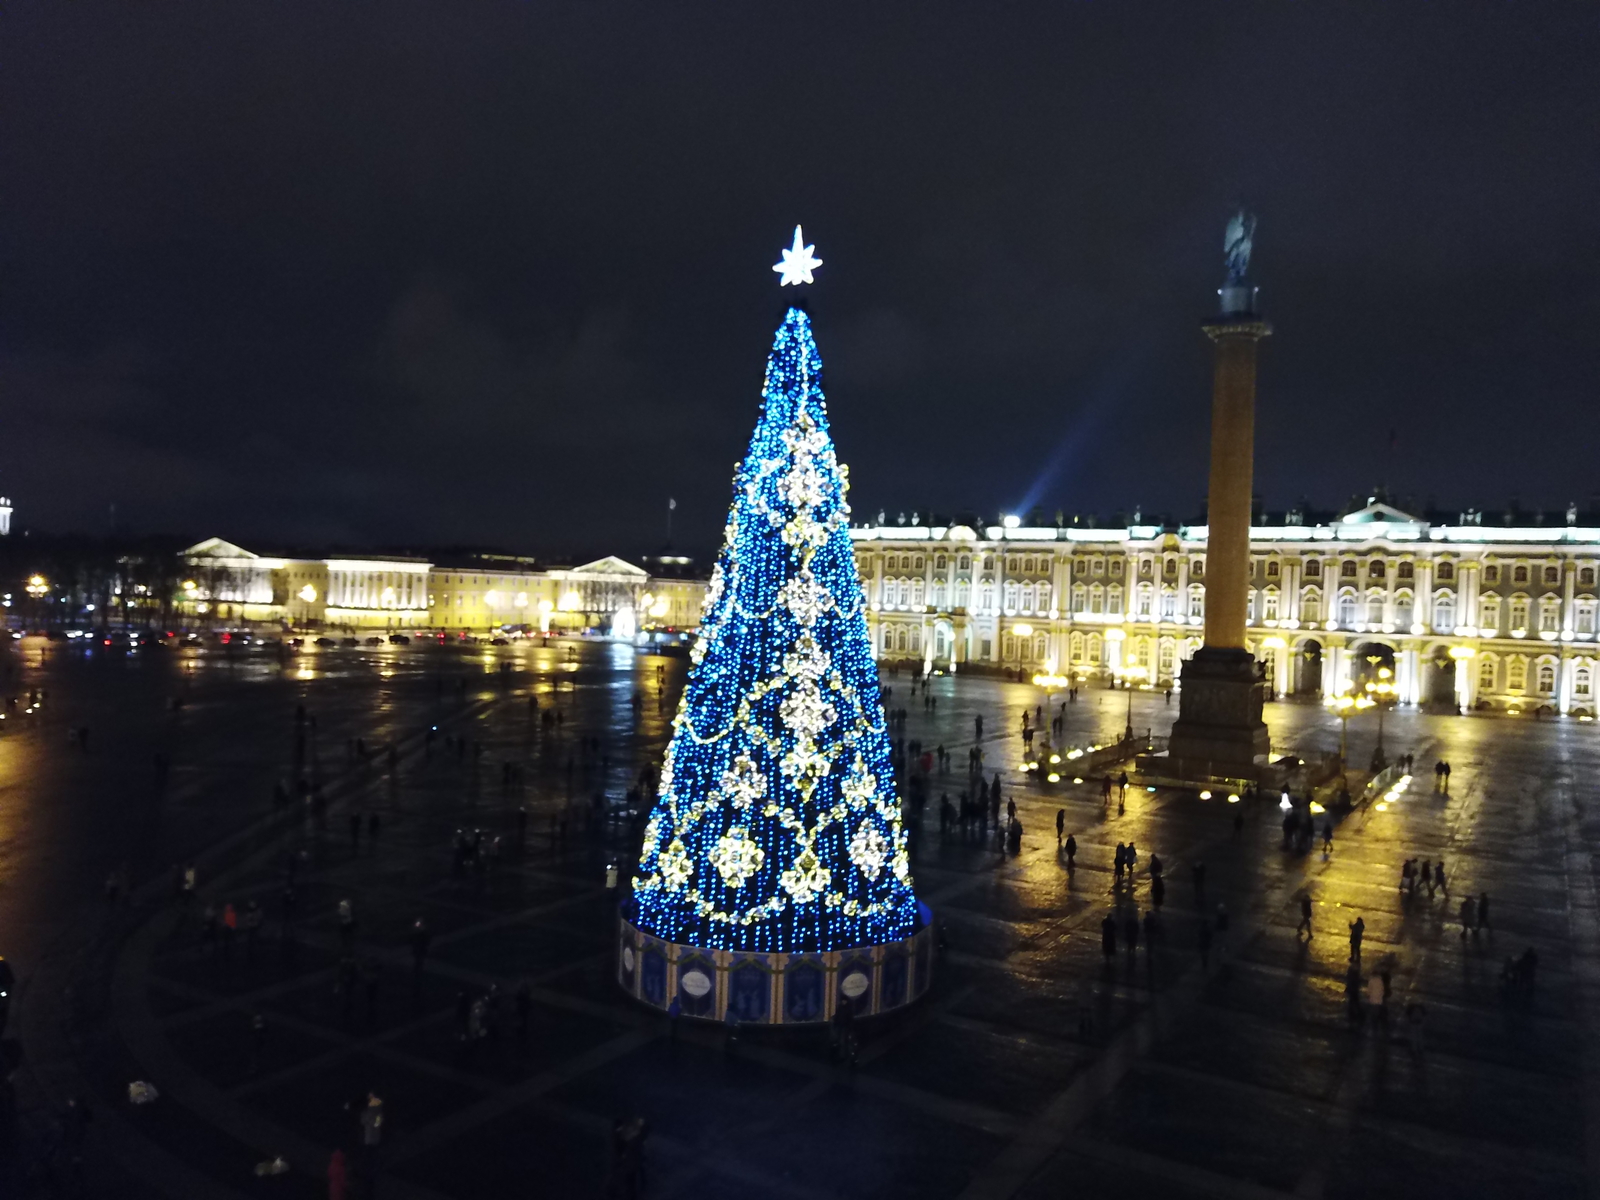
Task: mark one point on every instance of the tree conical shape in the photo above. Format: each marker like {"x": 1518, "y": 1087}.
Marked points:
{"x": 777, "y": 826}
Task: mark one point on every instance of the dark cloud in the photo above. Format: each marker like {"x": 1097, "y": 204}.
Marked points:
{"x": 498, "y": 272}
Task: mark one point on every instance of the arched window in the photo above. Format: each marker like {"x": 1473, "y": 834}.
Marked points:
{"x": 1080, "y": 597}
{"x": 1583, "y": 615}
{"x": 1311, "y": 605}
{"x": 1547, "y": 678}
{"x": 1582, "y": 683}
{"x": 962, "y": 592}
{"x": 916, "y": 591}
{"x": 1165, "y": 656}
{"x": 1010, "y": 591}
{"x": 1486, "y": 673}
{"x": 1038, "y": 647}
{"x": 938, "y": 563}
{"x": 1114, "y": 598}
{"x": 1375, "y": 569}
{"x": 1517, "y": 674}
{"x": 1549, "y": 615}
{"x": 1489, "y": 614}
{"x": 985, "y": 597}
{"x": 891, "y": 591}
{"x": 1008, "y": 647}
{"x": 1097, "y": 649}
{"x": 1027, "y": 598}
{"x": 1347, "y": 609}
{"x": 1444, "y": 611}
{"x": 1197, "y": 602}
{"x": 1097, "y": 599}
{"x": 1519, "y": 614}
{"x": 1375, "y": 606}
{"x": 1043, "y": 603}
{"x": 938, "y": 594}
{"x": 916, "y": 639}
{"x": 1145, "y": 600}
{"x": 1404, "y": 611}
{"x": 1269, "y": 604}
{"x": 1076, "y": 647}
{"x": 1169, "y": 604}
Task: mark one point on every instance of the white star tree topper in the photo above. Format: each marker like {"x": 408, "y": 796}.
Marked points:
{"x": 798, "y": 262}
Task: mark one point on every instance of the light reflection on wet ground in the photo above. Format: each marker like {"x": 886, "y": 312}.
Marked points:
{"x": 1034, "y": 1067}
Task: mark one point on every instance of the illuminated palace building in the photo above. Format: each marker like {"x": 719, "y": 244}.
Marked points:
{"x": 1472, "y": 612}
{"x": 476, "y": 594}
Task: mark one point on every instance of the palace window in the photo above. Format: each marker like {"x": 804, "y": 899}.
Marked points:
{"x": 1582, "y": 685}
{"x": 1272, "y": 568}
{"x": 1404, "y": 612}
{"x": 1197, "y": 569}
{"x": 1038, "y": 647}
{"x": 1517, "y": 675}
{"x": 1584, "y": 614}
{"x": 1269, "y": 605}
{"x": 1144, "y": 569}
{"x": 916, "y": 640}
{"x": 1519, "y": 614}
{"x": 1011, "y": 562}
{"x": 1027, "y": 598}
{"x": 1009, "y": 591}
{"x": 1489, "y": 614}
{"x": 1552, "y": 574}
{"x": 1116, "y": 568}
{"x": 1080, "y": 598}
{"x": 1549, "y": 615}
{"x": 1347, "y": 569}
{"x": 916, "y": 591}
{"x": 1144, "y": 601}
{"x": 962, "y": 588}
{"x": 1447, "y": 571}
{"x": 1113, "y": 598}
{"x": 1486, "y": 673}
{"x": 1547, "y": 678}
{"x": 1097, "y": 599}
{"x": 1444, "y": 612}
{"x": 1375, "y": 607}
{"x": 1166, "y": 656}
{"x": 938, "y": 594}
{"x": 1311, "y": 605}
{"x": 1250, "y": 608}
{"x": 1586, "y": 577}
{"x": 1008, "y": 647}
{"x": 1197, "y": 602}
{"x": 1347, "y": 609}
{"x": 918, "y": 564}
{"x": 1375, "y": 569}
{"x": 1169, "y": 604}
{"x": 1169, "y": 569}
{"x": 1313, "y": 568}
{"x": 1519, "y": 574}
{"x": 1407, "y": 570}
{"x": 1076, "y": 644}
{"x": 1097, "y": 649}
{"x": 938, "y": 563}
{"x": 1099, "y": 566}
{"x": 1080, "y": 566}
{"x": 963, "y": 563}
{"x": 985, "y": 597}
{"x": 1491, "y": 575}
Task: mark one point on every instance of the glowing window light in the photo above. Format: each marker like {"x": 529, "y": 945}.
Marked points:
{"x": 308, "y": 594}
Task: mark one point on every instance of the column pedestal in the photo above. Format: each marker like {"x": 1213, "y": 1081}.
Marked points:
{"x": 1219, "y": 730}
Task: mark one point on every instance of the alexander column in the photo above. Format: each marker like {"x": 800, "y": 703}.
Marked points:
{"x": 1219, "y": 730}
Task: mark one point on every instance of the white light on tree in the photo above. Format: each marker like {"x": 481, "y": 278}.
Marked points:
{"x": 798, "y": 262}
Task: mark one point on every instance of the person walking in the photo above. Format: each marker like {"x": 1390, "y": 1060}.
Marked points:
{"x": 1469, "y": 917}
{"x": 1305, "y": 917}
{"x": 1105, "y": 791}
{"x": 338, "y": 1178}
{"x": 1131, "y": 859}
{"x": 1061, "y": 825}
{"x": 1158, "y": 891}
{"x": 1358, "y": 929}
{"x": 1427, "y": 877}
{"x": 1327, "y": 838}
{"x": 1119, "y": 861}
{"x": 1483, "y": 911}
{"x": 1438, "y": 878}
{"x": 1072, "y": 851}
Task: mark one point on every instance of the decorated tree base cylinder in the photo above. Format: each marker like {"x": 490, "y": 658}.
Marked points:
{"x": 764, "y": 988}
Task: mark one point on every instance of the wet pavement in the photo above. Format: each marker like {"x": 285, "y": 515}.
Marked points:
{"x": 1034, "y": 1068}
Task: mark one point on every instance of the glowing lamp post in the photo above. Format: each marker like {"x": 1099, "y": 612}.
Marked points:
{"x": 1344, "y": 704}
{"x": 1131, "y": 673}
{"x": 1381, "y": 692}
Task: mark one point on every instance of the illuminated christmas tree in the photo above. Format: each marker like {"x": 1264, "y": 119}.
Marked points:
{"x": 777, "y": 827}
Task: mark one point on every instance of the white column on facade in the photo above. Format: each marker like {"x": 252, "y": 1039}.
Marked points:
{"x": 1280, "y": 669}
{"x": 1467, "y": 593}
{"x": 1410, "y": 676}
{"x": 1422, "y": 607}
{"x": 1181, "y": 608}
{"x": 1564, "y": 686}
{"x": 1333, "y": 665}
{"x": 1569, "y": 579}
{"x": 1466, "y": 677}
{"x": 1289, "y": 607}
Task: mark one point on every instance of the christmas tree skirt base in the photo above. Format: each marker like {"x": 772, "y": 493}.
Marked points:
{"x": 800, "y": 988}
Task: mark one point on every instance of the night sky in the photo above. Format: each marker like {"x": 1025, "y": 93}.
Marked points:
{"x": 306, "y": 274}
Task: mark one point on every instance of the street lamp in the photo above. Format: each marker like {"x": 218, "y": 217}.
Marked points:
{"x": 1381, "y": 692}
{"x": 1132, "y": 672}
{"x": 1344, "y": 704}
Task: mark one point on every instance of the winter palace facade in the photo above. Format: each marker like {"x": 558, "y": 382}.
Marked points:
{"x": 1471, "y": 613}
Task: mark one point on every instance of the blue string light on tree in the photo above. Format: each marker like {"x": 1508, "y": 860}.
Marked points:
{"x": 777, "y": 828}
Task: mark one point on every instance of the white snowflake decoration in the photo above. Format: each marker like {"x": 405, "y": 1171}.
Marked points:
{"x": 736, "y": 857}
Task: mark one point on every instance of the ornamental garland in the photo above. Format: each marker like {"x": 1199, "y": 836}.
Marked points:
{"x": 777, "y": 826}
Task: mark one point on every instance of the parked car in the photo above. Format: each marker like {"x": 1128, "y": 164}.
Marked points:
{"x": 399, "y": 639}
{"x": 326, "y": 641}
{"x": 374, "y": 641}
{"x": 350, "y": 641}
